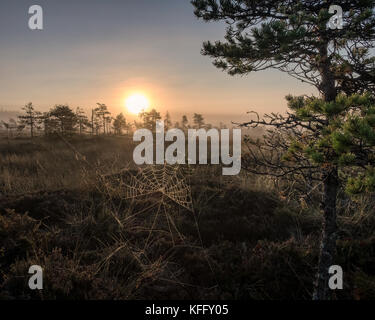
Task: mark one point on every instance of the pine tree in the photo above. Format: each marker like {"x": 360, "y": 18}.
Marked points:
{"x": 48, "y": 123}
{"x": 82, "y": 120}
{"x": 149, "y": 119}
{"x": 198, "y": 121}
{"x": 119, "y": 124}
{"x": 321, "y": 136}
{"x": 102, "y": 112}
{"x": 63, "y": 119}
{"x": 167, "y": 121}
{"x": 185, "y": 122}
{"x": 31, "y": 118}
{"x": 10, "y": 126}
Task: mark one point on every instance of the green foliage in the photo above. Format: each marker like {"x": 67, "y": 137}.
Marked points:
{"x": 343, "y": 135}
{"x": 364, "y": 182}
{"x": 334, "y": 131}
{"x": 289, "y": 36}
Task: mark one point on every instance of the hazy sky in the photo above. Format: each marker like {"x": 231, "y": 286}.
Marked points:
{"x": 103, "y": 50}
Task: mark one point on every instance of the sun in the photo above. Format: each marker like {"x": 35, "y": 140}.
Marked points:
{"x": 136, "y": 103}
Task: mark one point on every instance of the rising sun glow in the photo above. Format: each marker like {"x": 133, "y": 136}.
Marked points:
{"x": 136, "y": 103}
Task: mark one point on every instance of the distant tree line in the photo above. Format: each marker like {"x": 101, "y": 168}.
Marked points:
{"x": 63, "y": 120}
{"x": 148, "y": 121}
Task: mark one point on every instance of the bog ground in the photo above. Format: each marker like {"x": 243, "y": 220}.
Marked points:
{"x": 65, "y": 205}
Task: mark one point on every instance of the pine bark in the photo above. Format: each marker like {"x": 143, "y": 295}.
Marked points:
{"x": 329, "y": 235}
{"x": 331, "y": 186}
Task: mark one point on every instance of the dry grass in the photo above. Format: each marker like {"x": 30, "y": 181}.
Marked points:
{"x": 64, "y": 206}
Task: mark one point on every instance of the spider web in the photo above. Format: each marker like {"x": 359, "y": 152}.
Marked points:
{"x": 166, "y": 182}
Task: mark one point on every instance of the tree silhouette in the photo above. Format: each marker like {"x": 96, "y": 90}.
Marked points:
{"x": 119, "y": 124}
{"x": 48, "y": 123}
{"x": 198, "y": 120}
{"x": 149, "y": 119}
{"x": 321, "y": 136}
{"x": 63, "y": 119}
{"x": 108, "y": 123}
{"x": 102, "y": 112}
{"x": 10, "y": 126}
{"x": 222, "y": 126}
{"x": 185, "y": 122}
{"x": 31, "y": 118}
{"x": 92, "y": 124}
{"x": 167, "y": 121}
{"x": 82, "y": 120}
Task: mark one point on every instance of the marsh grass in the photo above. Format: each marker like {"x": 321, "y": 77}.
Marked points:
{"x": 244, "y": 238}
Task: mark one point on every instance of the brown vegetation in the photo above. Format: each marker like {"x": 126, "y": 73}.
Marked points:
{"x": 62, "y": 207}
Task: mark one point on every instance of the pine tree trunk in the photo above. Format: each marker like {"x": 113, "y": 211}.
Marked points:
{"x": 329, "y": 235}
{"x": 92, "y": 122}
{"x": 331, "y": 186}
{"x": 32, "y": 128}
